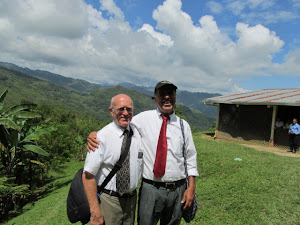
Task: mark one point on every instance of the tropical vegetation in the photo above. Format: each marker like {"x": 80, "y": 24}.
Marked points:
{"x": 34, "y": 139}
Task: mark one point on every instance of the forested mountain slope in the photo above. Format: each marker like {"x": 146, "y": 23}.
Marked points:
{"x": 26, "y": 88}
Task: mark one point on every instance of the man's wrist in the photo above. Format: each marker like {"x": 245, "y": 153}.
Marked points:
{"x": 95, "y": 210}
{"x": 191, "y": 187}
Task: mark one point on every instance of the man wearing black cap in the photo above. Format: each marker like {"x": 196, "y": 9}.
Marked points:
{"x": 163, "y": 194}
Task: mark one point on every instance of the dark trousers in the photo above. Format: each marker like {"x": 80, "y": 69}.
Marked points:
{"x": 160, "y": 204}
{"x": 294, "y": 142}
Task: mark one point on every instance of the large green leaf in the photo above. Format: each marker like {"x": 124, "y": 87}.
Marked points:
{"x": 18, "y": 108}
{"x": 2, "y": 99}
{"x": 38, "y": 133}
{"x": 36, "y": 150}
{"x": 8, "y": 123}
{"x": 27, "y": 115}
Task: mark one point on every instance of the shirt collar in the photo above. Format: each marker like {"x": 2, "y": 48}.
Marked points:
{"x": 172, "y": 116}
{"x": 119, "y": 130}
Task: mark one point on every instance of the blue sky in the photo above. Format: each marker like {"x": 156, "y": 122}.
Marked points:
{"x": 224, "y": 46}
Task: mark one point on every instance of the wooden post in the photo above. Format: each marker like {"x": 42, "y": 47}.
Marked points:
{"x": 274, "y": 114}
{"x": 217, "y": 123}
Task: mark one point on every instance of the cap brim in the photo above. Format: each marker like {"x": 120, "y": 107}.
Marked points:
{"x": 162, "y": 85}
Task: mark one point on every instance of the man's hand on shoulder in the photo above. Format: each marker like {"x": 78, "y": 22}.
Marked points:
{"x": 92, "y": 142}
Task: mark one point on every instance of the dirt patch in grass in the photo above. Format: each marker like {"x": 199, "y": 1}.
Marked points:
{"x": 274, "y": 150}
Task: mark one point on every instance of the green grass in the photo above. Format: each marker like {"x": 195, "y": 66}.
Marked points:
{"x": 263, "y": 188}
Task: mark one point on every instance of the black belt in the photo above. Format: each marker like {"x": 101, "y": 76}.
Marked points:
{"x": 166, "y": 185}
{"x": 116, "y": 194}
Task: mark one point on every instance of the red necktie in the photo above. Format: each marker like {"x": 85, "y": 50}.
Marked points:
{"x": 161, "y": 151}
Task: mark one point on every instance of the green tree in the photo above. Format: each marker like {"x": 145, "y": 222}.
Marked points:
{"x": 21, "y": 169}
{"x": 19, "y": 132}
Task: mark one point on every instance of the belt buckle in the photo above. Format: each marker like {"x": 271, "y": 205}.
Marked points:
{"x": 170, "y": 185}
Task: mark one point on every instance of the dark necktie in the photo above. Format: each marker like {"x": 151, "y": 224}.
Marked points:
{"x": 161, "y": 151}
{"x": 123, "y": 175}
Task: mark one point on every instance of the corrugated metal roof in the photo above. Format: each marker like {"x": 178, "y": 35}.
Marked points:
{"x": 260, "y": 97}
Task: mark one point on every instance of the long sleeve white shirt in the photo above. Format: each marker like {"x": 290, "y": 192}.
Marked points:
{"x": 149, "y": 124}
{"x": 101, "y": 162}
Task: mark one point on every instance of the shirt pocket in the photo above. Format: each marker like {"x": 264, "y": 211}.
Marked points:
{"x": 175, "y": 144}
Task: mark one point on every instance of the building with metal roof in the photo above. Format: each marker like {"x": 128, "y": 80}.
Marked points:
{"x": 252, "y": 116}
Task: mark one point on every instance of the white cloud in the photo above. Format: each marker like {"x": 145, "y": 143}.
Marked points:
{"x": 290, "y": 66}
{"x": 262, "y": 11}
{"x": 261, "y": 4}
{"x": 163, "y": 39}
{"x": 53, "y": 18}
{"x": 296, "y": 3}
{"x": 81, "y": 43}
{"x": 237, "y": 6}
{"x": 129, "y": 4}
{"x": 269, "y": 17}
{"x": 111, "y": 7}
{"x": 214, "y": 7}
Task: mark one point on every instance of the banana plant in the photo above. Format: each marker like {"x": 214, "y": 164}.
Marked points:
{"x": 18, "y": 134}
{"x": 8, "y": 117}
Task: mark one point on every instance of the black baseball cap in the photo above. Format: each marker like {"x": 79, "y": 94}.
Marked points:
{"x": 164, "y": 83}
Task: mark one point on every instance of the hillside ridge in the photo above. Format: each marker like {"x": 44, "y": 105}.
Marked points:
{"x": 25, "y": 88}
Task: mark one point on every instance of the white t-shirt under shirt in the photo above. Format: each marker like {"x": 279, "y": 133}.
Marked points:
{"x": 101, "y": 162}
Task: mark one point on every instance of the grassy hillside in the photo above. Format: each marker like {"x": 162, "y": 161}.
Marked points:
{"x": 78, "y": 85}
{"x": 263, "y": 188}
{"x": 26, "y": 88}
{"x": 194, "y": 100}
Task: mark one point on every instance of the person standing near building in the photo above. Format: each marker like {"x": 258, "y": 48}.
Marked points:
{"x": 294, "y": 132}
{"x": 118, "y": 200}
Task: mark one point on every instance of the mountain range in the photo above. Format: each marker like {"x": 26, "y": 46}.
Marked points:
{"x": 45, "y": 87}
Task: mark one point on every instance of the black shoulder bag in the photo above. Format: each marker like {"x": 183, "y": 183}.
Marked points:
{"x": 78, "y": 208}
{"x": 189, "y": 214}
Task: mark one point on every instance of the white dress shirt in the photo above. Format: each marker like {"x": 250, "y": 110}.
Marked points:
{"x": 101, "y": 162}
{"x": 149, "y": 124}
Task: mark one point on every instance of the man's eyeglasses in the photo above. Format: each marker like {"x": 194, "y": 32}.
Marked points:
{"x": 122, "y": 109}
